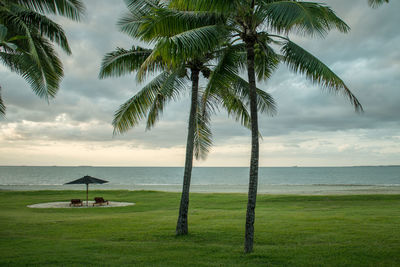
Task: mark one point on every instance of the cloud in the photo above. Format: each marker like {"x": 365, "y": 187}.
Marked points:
{"x": 312, "y": 127}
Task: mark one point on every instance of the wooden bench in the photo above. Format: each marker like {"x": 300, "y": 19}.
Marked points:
{"x": 76, "y": 202}
{"x": 100, "y": 201}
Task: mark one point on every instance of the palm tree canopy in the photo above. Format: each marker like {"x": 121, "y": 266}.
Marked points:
{"x": 27, "y": 43}
{"x": 179, "y": 48}
{"x": 224, "y": 89}
{"x": 267, "y": 24}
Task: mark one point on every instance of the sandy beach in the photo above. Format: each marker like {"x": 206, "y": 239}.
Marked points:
{"x": 64, "y": 205}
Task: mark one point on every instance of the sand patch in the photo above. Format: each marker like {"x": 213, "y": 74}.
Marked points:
{"x": 62, "y": 205}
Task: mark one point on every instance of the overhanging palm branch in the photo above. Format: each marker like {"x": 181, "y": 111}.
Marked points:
{"x": 121, "y": 61}
{"x": 34, "y": 35}
{"x": 72, "y": 9}
{"x": 44, "y": 80}
{"x": 296, "y": 16}
{"x": 301, "y": 61}
{"x": 171, "y": 89}
{"x": 28, "y": 22}
{"x": 148, "y": 100}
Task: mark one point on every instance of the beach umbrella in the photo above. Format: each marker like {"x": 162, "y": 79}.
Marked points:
{"x": 87, "y": 180}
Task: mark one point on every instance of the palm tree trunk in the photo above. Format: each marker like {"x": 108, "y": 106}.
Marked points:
{"x": 182, "y": 225}
{"x": 253, "y": 179}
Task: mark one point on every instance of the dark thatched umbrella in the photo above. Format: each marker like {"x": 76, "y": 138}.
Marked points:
{"x": 87, "y": 180}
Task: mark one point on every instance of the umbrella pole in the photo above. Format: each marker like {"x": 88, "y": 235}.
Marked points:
{"x": 87, "y": 189}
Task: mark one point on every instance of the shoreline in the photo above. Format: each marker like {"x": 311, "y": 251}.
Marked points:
{"x": 240, "y": 189}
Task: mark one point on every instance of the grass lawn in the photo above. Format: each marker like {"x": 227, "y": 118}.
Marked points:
{"x": 290, "y": 230}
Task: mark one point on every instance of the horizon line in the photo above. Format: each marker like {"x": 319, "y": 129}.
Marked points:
{"x": 291, "y": 166}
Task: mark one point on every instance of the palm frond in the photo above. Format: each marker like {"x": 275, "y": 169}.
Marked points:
{"x": 23, "y": 20}
{"x": 165, "y": 22}
{"x": 122, "y": 61}
{"x": 170, "y": 90}
{"x": 142, "y": 5}
{"x": 377, "y": 3}
{"x": 219, "y": 6}
{"x": 228, "y": 89}
{"x": 191, "y": 43}
{"x": 301, "y": 61}
{"x": 203, "y": 134}
{"x": 72, "y": 9}
{"x": 131, "y": 22}
{"x": 303, "y": 17}
{"x": 265, "y": 102}
{"x": 266, "y": 61}
{"x": 2, "y": 106}
{"x": 137, "y": 108}
{"x": 153, "y": 63}
{"x": 44, "y": 76}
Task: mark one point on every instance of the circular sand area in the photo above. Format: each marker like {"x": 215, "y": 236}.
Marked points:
{"x": 62, "y": 205}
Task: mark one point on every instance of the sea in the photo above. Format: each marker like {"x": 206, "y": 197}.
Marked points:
{"x": 272, "y": 180}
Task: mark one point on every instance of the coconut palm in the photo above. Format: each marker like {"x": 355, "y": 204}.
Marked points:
{"x": 178, "y": 51}
{"x": 261, "y": 26}
{"x": 32, "y": 36}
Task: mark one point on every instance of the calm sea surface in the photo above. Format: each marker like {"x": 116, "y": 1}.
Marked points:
{"x": 298, "y": 180}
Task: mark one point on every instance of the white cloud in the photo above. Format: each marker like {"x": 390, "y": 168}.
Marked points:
{"x": 311, "y": 128}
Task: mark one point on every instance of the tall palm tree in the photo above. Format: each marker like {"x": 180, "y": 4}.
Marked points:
{"x": 32, "y": 36}
{"x": 177, "y": 51}
{"x": 262, "y": 25}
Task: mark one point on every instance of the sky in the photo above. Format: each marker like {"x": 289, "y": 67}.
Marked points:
{"x": 312, "y": 127}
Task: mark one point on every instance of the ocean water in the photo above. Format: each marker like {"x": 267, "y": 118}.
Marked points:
{"x": 280, "y": 180}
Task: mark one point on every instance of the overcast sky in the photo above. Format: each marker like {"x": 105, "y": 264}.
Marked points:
{"x": 312, "y": 127}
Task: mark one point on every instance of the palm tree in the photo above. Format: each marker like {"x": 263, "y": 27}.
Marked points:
{"x": 28, "y": 37}
{"x": 179, "y": 50}
{"x": 262, "y": 25}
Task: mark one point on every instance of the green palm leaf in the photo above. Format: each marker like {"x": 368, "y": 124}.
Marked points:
{"x": 190, "y": 44}
{"x": 72, "y": 9}
{"x": 167, "y": 23}
{"x": 44, "y": 79}
{"x": 170, "y": 90}
{"x": 202, "y": 135}
{"x": 33, "y": 35}
{"x": 303, "y": 17}
{"x": 25, "y": 20}
{"x": 137, "y": 108}
{"x": 131, "y": 22}
{"x": 122, "y": 61}
{"x": 219, "y": 6}
{"x": 266, "y": 60}
{"x": 301, "y": 61}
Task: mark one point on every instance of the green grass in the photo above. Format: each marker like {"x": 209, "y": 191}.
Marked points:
{"x": 290, "y": 230}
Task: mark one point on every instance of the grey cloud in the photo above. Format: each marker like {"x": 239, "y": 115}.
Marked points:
{"x": 367, "y": 59}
